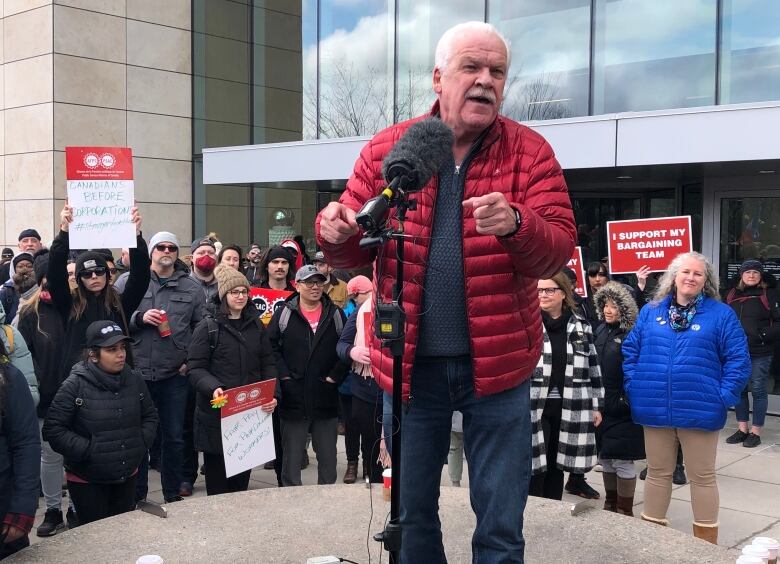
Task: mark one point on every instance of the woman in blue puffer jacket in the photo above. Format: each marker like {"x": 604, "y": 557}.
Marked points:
{"x": 685, "y": 363}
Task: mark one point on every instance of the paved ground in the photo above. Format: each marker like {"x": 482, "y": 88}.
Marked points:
{"x": 748, "y": 479}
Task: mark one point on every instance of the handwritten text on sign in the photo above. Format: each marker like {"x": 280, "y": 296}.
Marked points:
{"x": 102, "y": 194}
{"x": 647, "y": 242}
{"x": 247, "y": 431}
{"x": 575, "y": 263}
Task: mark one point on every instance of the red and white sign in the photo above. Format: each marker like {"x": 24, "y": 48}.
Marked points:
{"x": 102, "y": 194}
{"x": 575, "y": 263}
{"x": 247, "y": 431}
{"x": 635, "y": 243}
{"x": 267, "y": 300}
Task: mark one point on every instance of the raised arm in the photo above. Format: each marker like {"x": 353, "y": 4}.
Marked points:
{"x": 140, "y": 273}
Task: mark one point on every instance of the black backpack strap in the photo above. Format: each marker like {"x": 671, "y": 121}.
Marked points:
{"x": 213, "y": 333}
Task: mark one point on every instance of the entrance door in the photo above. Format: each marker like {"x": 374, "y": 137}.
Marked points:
{"x": 750, "y": 228}
{"x": 591, "y": 214}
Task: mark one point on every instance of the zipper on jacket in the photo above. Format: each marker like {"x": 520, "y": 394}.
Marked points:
{"x": 669, "y": 373}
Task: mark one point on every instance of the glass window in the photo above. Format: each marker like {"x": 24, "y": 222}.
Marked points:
{"x": 750, "y": 51}
{"x": 653, "y": 55}
{"x": 282, "y": 211}
{"x": 420, "y": 25}
{"x": 355, "y": 58}
{"x": 309, "y": 68}
{"x": 548, "y": 77}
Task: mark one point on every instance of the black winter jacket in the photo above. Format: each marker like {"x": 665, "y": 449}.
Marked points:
{"x": 44, "y": 332}
{"x": 362, "y": 388}
{"x": 20, "y": 447}
{"x": 618, "y": 437}
{"x": 239, "y": 357}
{"x": 76, "y": 329}
{"x": 761, "y": 325}
{"x": 102, "y": 423}
{"x": 305, "y": 360}
{"x": 181, "y": 297}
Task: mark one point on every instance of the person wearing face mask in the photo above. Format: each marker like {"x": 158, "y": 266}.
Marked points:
{"x": 204, "y": 261}
{"x": 620, "y": 440}
{"x": 94, "y": 299}
{"x": 161, "y": 356}
{"x": 685, "y": 363}
{"x": 102, "y": 420}
{"x": 566, "y": 396}
{"x": 758, "y": 311}
{"x": 41, "y": 327}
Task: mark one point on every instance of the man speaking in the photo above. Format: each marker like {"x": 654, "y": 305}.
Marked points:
{"x": 494, "y": 218}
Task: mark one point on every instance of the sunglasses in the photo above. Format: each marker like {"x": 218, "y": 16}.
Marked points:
{"x": 99, "y": 271}
{"x": 170, "y": 248}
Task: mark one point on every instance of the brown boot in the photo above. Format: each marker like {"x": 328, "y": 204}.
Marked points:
{"x": 625, "y": 496}
{"x": 706, "y": 532}
{"x": 610, "y": 489}
{"x": 350, "y": 476}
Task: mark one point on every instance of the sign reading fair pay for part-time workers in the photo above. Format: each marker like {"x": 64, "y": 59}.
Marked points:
{"x": 247, "y": 430}
{"x": 102, "y": 195}
{"x": 635, "y": 243}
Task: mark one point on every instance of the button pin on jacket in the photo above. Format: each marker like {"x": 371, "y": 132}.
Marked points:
{"x": 695, "y": 327}
{"x": 662, "y": 322}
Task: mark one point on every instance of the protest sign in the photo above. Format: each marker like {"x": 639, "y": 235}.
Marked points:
{"x": 575, "y": 263}
{"x": 102, "y": 195}
{"x": 266, "y": 301}
{"x": 654, "y": 242}
{"x": 247, "y": 431}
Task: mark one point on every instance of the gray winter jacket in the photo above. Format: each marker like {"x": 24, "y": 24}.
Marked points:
{"x": 159, "y": 357}
{"x": 20, "y": 356}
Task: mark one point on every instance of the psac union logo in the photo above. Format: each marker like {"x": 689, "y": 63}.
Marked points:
{"x": 241, "y": 398}
{"x": 254, "y": 393}
{"x": 106, "y": 160}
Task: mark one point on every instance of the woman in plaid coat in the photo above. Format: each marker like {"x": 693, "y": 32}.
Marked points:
{"x": 566, "y": 396}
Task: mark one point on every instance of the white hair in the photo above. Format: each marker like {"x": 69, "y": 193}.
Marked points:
{"x": 666, "y": 285}
{"x": 444, "y": 46}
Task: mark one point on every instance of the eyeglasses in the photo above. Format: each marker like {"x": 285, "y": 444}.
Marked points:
{"x": 546, "y": 291}
{"x": 238, "y": 293}
{"x": 99, "y": 271}
{"x": 313, "y": 283}
{"x": 170, "y": 248}
{"x": 112, "y": 271}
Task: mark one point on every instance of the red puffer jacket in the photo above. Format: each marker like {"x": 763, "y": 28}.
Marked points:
{"x": 501, "y": 273}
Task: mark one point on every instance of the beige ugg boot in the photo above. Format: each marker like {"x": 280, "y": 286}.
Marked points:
{"x": 706, "y": 531}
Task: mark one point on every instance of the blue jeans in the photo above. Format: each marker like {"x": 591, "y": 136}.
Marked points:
{"x": 497, "y": 437}
{"x": 170, "y": 398}
{"x": 757, "y": 385}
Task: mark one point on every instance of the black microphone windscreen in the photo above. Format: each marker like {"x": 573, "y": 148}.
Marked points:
{"x": 419, "y": 153}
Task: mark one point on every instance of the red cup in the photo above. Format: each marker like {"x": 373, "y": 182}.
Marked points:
{"x": 387, "y": 477}
{"x": 164, "y": 327}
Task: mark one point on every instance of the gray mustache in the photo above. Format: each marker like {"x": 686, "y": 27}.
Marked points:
{"x": 479, "y": 92}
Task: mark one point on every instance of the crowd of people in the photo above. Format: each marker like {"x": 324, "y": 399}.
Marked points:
{"x": 116, "y": 363}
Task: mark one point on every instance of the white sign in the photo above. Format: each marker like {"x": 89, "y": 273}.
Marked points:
{"x": 247, "y": 431}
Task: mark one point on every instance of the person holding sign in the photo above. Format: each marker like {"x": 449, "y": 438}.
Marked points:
{"x": 228, "y": 350}
{"x": 102, "y": 420}
{"x": 94, "y": 299}
{"x": 685, "y": 363}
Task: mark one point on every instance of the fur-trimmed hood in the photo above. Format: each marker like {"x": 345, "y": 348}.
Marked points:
{"x": 622, "y": 298}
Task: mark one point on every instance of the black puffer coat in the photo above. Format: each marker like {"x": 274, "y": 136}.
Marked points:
{"x": 618, "y": 437}
{"x": 305, "y": 359}
{"x": 759, "y": 316}
{"x": 239, "y": 357}
{"x": 102, "y": 423}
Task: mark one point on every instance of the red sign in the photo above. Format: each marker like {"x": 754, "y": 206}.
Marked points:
{"x": 266, "y": 301}
{"x": 635, "y": 243}
{"x": 575, "y": 263}
{"x": 248, "y": 397}
{"x": 98, "y": 163}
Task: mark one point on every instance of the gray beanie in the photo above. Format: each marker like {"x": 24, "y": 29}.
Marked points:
{"x": 162, "y": 237}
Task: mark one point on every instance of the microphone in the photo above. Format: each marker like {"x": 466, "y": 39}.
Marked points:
{"x": 409, "y": 165}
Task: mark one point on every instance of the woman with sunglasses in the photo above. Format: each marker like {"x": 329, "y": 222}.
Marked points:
{"x": 94, "y": 298}
{"x": 228, "y": 350}
{"x": 566, "y": 396}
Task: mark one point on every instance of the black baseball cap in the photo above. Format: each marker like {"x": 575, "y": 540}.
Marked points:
{"x": 105, "y": 334}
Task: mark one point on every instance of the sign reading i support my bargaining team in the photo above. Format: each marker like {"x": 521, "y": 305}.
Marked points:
{"x": 654, "y": 242}
{"x": 102, "y": 194}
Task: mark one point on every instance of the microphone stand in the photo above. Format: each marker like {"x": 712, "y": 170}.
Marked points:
{"x": 391, "y": 536}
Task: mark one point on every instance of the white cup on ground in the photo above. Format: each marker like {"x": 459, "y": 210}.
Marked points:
{"x": 760, "y": 551}
{"x": 150, "y": 559}
{"x": 772, "y": 545}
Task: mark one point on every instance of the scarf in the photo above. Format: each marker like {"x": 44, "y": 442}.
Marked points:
{"x": 363, "y": 324}
{"x": 681, "y": 316}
